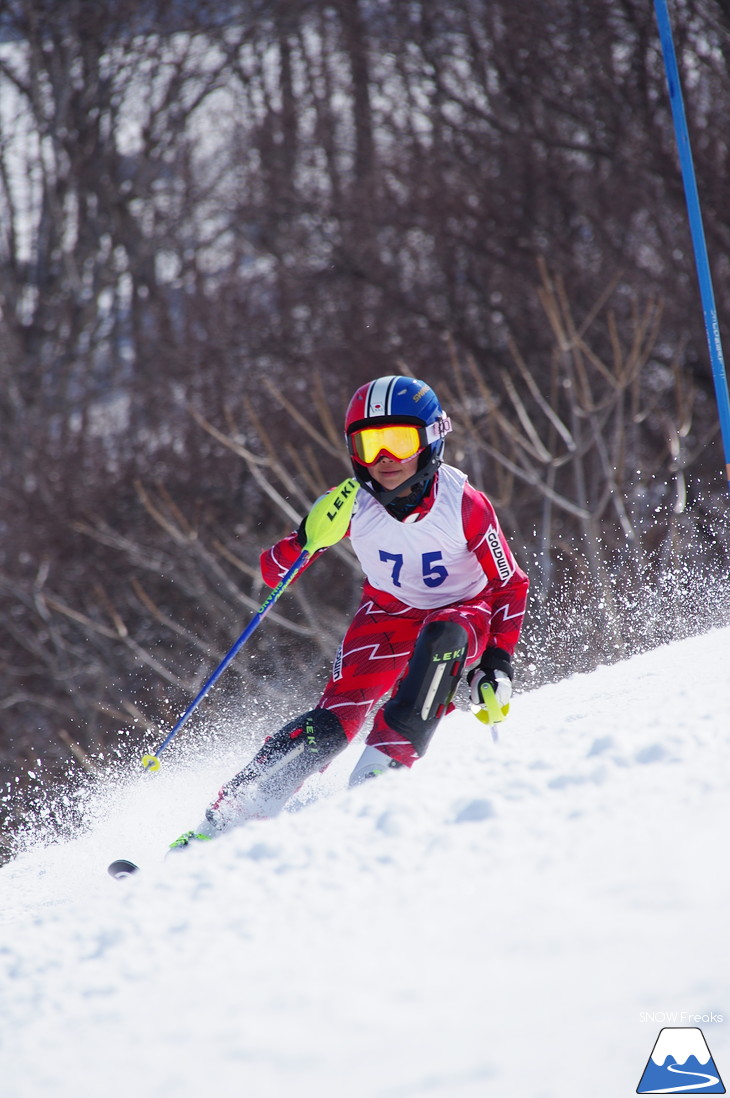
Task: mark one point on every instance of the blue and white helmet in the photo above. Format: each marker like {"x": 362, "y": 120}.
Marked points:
{"x": 396, "y": 400}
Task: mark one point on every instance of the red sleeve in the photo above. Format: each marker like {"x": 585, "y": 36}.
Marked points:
{"x": 508, "y": 584}
{"x": 276, "y": 561}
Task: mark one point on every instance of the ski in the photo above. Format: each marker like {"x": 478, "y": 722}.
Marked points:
{"x": 121, "y": 868}
{"x": 187, "y": 838}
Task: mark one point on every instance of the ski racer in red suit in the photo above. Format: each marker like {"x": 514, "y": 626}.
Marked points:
{"x": 442, "y": 593}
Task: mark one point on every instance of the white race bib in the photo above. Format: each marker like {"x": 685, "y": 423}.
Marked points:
{"x": 425, "y": 564}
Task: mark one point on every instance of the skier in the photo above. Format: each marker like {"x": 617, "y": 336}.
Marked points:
{"x": 442, "y": 592}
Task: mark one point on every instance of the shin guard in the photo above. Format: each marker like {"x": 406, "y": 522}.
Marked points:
{"x": 426, "y": 690}
{"x": 299, "y": 749}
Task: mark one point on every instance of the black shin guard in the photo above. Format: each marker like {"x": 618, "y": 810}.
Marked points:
{"x": 300, "y": 748}
{"x": 429, "y": 684}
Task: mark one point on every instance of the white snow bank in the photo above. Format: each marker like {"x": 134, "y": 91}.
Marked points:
{"x": 507, "y": 920}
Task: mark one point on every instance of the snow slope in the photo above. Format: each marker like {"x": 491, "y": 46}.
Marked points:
{"x": 511, "y": 919}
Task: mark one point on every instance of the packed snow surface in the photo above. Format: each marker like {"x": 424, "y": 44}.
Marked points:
{"x": 508, "y": 919}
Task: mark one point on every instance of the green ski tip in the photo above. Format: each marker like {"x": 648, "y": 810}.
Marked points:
{"x": 188, "y": 837}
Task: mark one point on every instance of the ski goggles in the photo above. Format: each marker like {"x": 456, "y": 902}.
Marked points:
{"x": 400, "y": 441}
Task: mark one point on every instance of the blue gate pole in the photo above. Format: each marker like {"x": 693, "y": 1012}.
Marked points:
{"x": 702, "y": 262}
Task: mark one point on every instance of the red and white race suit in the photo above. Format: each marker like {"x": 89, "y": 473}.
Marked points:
{"x": 448, "y": 561}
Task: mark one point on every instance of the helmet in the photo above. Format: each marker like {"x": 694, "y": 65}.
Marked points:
{"x": 404, "y": 402}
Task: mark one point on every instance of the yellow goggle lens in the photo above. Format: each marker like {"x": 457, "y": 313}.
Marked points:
{"x": 399, "y": 439}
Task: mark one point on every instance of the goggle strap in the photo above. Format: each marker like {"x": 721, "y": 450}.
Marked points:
{"x": 439, "y": 429}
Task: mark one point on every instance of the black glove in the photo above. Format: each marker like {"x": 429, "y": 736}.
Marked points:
{"x": 302, "y": 533}
{"x": 490, "y": 683}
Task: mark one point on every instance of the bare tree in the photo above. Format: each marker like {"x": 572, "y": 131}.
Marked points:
{"x": 217, "y": 220}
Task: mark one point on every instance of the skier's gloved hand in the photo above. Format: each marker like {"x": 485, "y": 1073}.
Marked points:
{"x": 329, "y": 518}
{"x": 490, "y": 683}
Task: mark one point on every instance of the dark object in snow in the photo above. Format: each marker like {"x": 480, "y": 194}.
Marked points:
{"x": 121, "y": 868}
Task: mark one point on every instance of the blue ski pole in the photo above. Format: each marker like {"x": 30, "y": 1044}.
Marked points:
{"x": 326, "y": 524}
{"x": 702, "y": 263}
